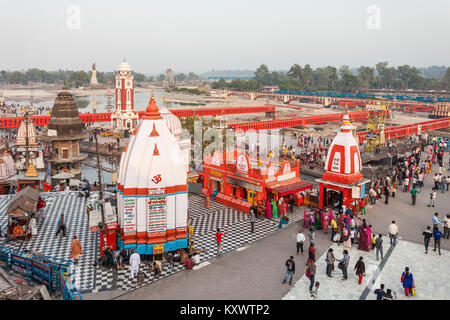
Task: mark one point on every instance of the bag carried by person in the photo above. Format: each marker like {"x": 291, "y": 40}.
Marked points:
{"x": 341, "y": 265}
{"x": 307, "y": 273}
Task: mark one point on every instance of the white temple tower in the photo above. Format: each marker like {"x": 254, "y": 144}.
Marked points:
{"x": 152, "y": 187}
{"x": 124, "y": 117}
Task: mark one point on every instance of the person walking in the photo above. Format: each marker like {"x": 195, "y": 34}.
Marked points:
{"x": 330, "y": 262}
{"x": 252, "y": 220}
{"x": 135, "y": 261}
{"x": 61, "y": 225}
{"x": 312, "y": 235}
{"x": 373, "y": 196}
{"x": 436, "y": 181}
{"x": 414, "y": 193}
{"x": 219, "y": 236}
{"x": 312, "y": 252}
{"x": 386, "y": 194}
{"x": 379, "y": 245}
{"x": 437, "y": 235}
{"x": 290, "y": 269}
{"x": 432, "y": 198}
{"x": 300, "y": 240}
{"x": 446, "y": 224}
{"x": 393, "y": 233}
{"x": 427, "y": 234}
{"x": 436, "y": 221}
{"x": 40, "y": 208}
{"x": 291, "y": 203}
{"x": 407, "y": 281}
{"x": 360, "y": 269}
{"x": 76, "y": 249}
{"x": 311, "y": 271}
{"x": 333, "y": 228}
{"x": 343, "y": 264}
{"x": 394, "y": 188}
{"x": 362, "y": 205}
{"x": 380, "y": 292}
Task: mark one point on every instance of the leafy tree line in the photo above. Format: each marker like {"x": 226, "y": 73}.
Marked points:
{"x": 188, "y": 91}
{"x": 343, "y": 79}
{"x": 69, "y": 78}
{"x": 191, "y": 76}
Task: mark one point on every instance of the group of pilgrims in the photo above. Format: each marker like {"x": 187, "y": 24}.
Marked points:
{"x": 345, "y": 227}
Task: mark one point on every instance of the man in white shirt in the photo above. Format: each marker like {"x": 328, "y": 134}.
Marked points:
{"x": 300, "y": 239}
{"x": 393, "y": 233}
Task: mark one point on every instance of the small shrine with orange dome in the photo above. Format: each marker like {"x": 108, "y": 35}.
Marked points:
{"x": 29, "y": 159}
{"x": 342, "y": 183}
{"x": 152, "y": 185}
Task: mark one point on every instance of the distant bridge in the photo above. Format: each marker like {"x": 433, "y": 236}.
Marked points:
{"x": 301, "y": 121}
{"x": 328, "y": 97}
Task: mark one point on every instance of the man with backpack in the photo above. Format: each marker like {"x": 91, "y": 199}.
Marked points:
{"x": 290, "y": 269}
{"x": 61, "y": 226}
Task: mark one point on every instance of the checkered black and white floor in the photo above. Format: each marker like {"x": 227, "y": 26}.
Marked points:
{"x": 235, "y": 224}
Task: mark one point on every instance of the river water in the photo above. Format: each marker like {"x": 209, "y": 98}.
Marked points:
{"x": 97, "y": 103}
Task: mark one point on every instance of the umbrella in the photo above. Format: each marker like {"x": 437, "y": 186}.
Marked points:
{"x": 63, "y": 175}
{"x": 75, "y": 182}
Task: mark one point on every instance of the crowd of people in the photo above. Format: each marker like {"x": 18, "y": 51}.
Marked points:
{"x": 19, "y": 110}
{"x": 348, "y": 228}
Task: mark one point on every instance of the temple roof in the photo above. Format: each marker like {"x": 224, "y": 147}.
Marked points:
{"x": 65, "y": 118}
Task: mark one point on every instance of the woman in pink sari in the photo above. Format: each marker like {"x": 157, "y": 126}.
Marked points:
{"x": 369, "y": 237}
{"x": 326, "y": 222}
{"x": 268, "y": 209}
{"x": 305, "y": 219}
{"x": 364, "y": 241}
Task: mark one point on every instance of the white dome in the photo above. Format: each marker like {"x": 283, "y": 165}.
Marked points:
{"x": 26, "y": 125}
{"x": 172, "y": 122}
{"x": 124, "y": 67}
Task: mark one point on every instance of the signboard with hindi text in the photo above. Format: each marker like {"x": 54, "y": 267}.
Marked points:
{"x": 336, "y": 164}
{"x": 157, "y": 215}
{"x": 129, "y": 215}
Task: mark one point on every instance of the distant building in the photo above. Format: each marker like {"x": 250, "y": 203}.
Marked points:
{"x": 270, "y": 89}
{"x": 169, "y": 81}
{"x": 94, "y": 80}
{"x": 125, "y": 117}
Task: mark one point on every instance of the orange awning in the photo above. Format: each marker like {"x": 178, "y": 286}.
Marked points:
{"x": 289, "y": 186}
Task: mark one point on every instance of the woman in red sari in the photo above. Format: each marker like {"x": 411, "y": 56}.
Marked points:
{"x": 364, "y": 241}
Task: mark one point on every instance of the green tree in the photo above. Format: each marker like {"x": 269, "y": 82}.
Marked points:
{"x": 446, "y": 80}
{"x": 366, "y": 76}
{"x": 261, "y": 74}
{"x": 408, "y": 75}
{"x": 349, "y": 82}
{"x": 307, "y": 77}
{"x": 296, "y": 72}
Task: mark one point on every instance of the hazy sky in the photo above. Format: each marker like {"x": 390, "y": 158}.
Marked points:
{"x": 200, "y": 35}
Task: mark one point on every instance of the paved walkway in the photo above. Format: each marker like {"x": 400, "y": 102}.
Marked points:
{"x": 425, "y": 268}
